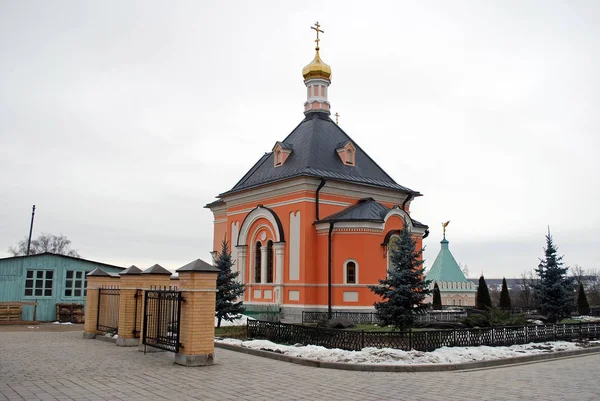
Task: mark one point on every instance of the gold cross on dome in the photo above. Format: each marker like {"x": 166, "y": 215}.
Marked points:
{"x": 317, "y": 29}
{"x": 337, "y": 116}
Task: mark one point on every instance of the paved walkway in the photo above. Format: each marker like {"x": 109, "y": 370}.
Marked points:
{"x": 64, "y": 366}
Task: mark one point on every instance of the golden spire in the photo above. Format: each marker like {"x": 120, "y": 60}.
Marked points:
{"x": 317, "y": 68}
{"x": 337, "y": 117}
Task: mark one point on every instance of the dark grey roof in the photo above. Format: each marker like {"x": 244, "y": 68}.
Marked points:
{"x": 284, "y": 145}
{"x": 418, "y": 224}
{"x": 367, "y": 209}
{"x": 198, "y": 265}
{"x": 156, "y": 269}
{"x": 314, "y": 142}
{"x": 131, "y": 270}
{"x": 218, "y": 202}
{"x": 98, "y": 272}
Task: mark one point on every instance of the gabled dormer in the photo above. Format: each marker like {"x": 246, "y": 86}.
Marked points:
{"x": 347, "y": 152}
{"x": 281, "y": 152}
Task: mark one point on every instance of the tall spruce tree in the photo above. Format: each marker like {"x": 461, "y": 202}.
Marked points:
{"x": 437, "y": 297}
{"x": 583, "y": 307}
{"x": 554, "y": 291}
{"x": 404, "y": 288}
{"x": 483, "y": 300}
{"x": 229, "y": 291}
{"x": 504, "y": 296}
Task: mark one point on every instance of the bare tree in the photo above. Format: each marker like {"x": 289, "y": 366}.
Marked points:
{"x": 579, "y": 273}
{"x": 526, "y": 285}
{"x": 46, "y": 242}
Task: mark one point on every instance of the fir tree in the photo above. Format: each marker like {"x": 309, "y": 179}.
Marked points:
{"x": 583, "y": 307}
{"x": 437, "y": 297}
{"x": 229, "y": 291}
{"x": 504, "y": 296}
{"x": 404, "y": 288}
{"x": 554, "y": 289}
{"x": 483, "y": 300}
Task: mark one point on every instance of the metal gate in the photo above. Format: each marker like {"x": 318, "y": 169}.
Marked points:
{"x": 108, "y": 310}
{"x": 161, "y": 319}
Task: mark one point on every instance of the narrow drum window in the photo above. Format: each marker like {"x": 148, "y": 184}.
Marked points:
{"x": 257, "y": 262}
{"x": 351, "y": 273}
{"x": 270, "y": 262}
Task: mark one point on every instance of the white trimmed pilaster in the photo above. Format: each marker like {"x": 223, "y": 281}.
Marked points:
{"x": 241, "y": 262}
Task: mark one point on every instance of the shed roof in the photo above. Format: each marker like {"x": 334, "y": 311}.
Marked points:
{"x": 62, "y": 256}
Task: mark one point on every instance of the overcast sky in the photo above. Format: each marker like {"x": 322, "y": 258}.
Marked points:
{"x": 120, "y": 120}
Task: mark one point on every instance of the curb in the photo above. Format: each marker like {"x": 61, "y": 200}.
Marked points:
{"x": 442, "y": 367}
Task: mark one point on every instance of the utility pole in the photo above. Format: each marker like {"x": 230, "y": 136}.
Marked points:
{"x": 30, "y": 230}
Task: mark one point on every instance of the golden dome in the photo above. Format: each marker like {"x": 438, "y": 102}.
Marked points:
{"x": 317, "y": 69}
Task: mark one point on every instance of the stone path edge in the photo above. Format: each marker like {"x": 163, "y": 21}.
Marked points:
{"x": 441, "y": 367}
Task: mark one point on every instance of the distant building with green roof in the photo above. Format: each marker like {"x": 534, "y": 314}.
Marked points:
{"x": 455, "y": 289}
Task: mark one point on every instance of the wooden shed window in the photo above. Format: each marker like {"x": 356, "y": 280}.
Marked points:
{"x": 39, "y": 283}
{"x": 75, "y": 284}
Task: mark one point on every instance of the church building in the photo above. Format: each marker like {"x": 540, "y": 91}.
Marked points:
{"x": 309, "y": 224}
{"x": 455, "y": 289}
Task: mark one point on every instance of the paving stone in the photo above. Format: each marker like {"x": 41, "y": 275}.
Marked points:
{"x": 64, "y": 366}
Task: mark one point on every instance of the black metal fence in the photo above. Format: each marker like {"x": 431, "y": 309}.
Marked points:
{"x": 161, "y": 319}
{"x": 108, "y": 309}
{"x": 137, "y": 319}
{"x": 371, "y": 317}
{"x": 427, "y": 340}
{"x": 354, "y": 317}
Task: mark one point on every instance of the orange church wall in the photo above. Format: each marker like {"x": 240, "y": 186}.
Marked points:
{"x": 364, "y": 247}
{"x": 220, "y": 231}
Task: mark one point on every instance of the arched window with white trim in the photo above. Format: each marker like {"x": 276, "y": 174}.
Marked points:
{"x": 257, "y": 261}
{"x": 392, "y": 243}
{"x": 351, "y": 272}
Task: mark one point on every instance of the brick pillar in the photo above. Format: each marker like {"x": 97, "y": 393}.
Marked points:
{"x": 197, "y": 282}
{"x": 154, "y": 276}
{"x": 130, "y": 308}
{"x": 96, "y": 279}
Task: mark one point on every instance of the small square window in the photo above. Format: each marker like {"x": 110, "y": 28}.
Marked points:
{"x": 29, "y": 273}
{"x": 39, "y": 292}
{"x": 49, "y": 274}
{"x": 48, "y": 292}
{"x": 77, "y": 292}
{"x": 69, "y": 274}
{"x": 28, "y": 292}
{"x": 39, "y": 274}
{"x": 28, "y": 283}
{"x": 68, "y": 292}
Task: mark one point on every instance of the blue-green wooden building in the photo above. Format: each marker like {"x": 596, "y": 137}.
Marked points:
{"x": 48, "y": 279}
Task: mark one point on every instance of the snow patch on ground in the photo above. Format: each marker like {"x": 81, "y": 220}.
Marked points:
{"x": 61, "y": 323}
{"x": 242, "y": 320}
{"x": 390, "y": 356}
{"x": 585, "y": 318}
